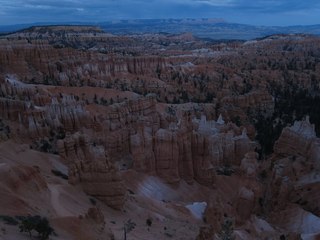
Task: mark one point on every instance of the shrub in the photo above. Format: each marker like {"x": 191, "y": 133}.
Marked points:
{"x": 45, "y": 146}
{"x": 149, "y": 222}
{"x": 263, "y": 175}
{"x": 38, "y": 224}
{"x": 9, "y": 220}
{"x": 130, "y": 191}
{"x": 128, "y": 227}
{"x": 93, "y": 201}
{"x": 59, "y": 174}
{"x": 225, "y": 170}
{"x": 226, "y": 232}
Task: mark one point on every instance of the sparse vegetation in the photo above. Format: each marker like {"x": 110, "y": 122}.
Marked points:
{"x": 263, "y": 175}
{"x": 291, "y": 103}
{"x": 149, "y": 222}
{"x": 225, "y": 170}
{"x": 130, "y": 191}
{"x": 236, "y": 120}
{"x": 226, "y": 232}
{"x": 30, "y": 224}
{"x": 4, "y": 130}
{"x": 36, "y": 223}
{"x": 9, "y": 220}
{"x": 93, "y": 201}
{"x": 59, "y": 174}
{"x": 128, "y": 227}
{"x": 43, "y": 145}
{"x": 168, "y": 234}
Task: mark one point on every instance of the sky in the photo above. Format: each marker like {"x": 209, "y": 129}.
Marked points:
{"x": 254, "y": 12}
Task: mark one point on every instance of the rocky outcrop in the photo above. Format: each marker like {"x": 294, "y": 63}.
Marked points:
{"x": 40, "y": 113}
{"x": 130, "y": 128}
{"x": 314, "y": 153}
{"x": 205, "y": 233}
{"x": 249, "y": 164}
{"x": 245, "y": 204}
{"x": 292, "y": 179}
{"x": 134, "y": 133}
{"x": 105, "y": 184}
{"x": 190, "y": 150}
{"x": 95, "y": 215}
{"x": 296, "y": 180}
{"x": 254, "y": 102}
{"x": 307, "y": 195}
{"x": 141, "y": 149}
{"x": 225, "y": 147}
{"x": 92, "y": 170}
{"x": 11, "y": 109}
{"x": 179, "y": 149}
{"x": 69, "y": 67}
{"x": 186, "y": 162}
{"x": 296, "y": 140}
{"x": 68, "y": 114}
{"x": 167, "y": 155}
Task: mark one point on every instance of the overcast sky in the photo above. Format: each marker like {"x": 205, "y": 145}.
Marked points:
{"x": 256, "y": 12}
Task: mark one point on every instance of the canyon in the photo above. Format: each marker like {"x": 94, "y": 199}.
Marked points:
{"x": 186, "y": 138}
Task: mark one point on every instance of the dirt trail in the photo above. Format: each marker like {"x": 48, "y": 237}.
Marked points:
{"x": 56, "y": 203}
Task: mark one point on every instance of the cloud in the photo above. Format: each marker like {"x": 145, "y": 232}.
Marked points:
{"x": 41, "y": 7}
{"x": 215, "y": 3}
{"x": 276, "y": 5}
{"x": 244, "y": 11}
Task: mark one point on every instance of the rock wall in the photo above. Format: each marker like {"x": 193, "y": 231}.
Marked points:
{"x": 67, "y": 66}
{"x": 294, "y": 173}
{"x": 256, "y": 102}
{"x": 174, "y": 148}
{"x": 92, "y": 170}
{"x": 132, "y": 134}
{"x": 296, "y": 140}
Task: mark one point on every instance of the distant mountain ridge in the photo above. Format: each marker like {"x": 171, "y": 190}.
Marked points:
{"x": 210, "y": 28}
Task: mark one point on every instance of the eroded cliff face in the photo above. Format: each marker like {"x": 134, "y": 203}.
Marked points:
{"x": 179, "y": 149}
{"x": 37, "y": 61}
{"x": 91, "y": 168}
{"x": 132, "y": 134}
{"x": 282, "y": 189}
{"x": 293, "y": 181}
{"x": 296, "y": 140}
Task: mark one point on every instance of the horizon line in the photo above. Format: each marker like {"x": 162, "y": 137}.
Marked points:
{"x": 95, "y": 23}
